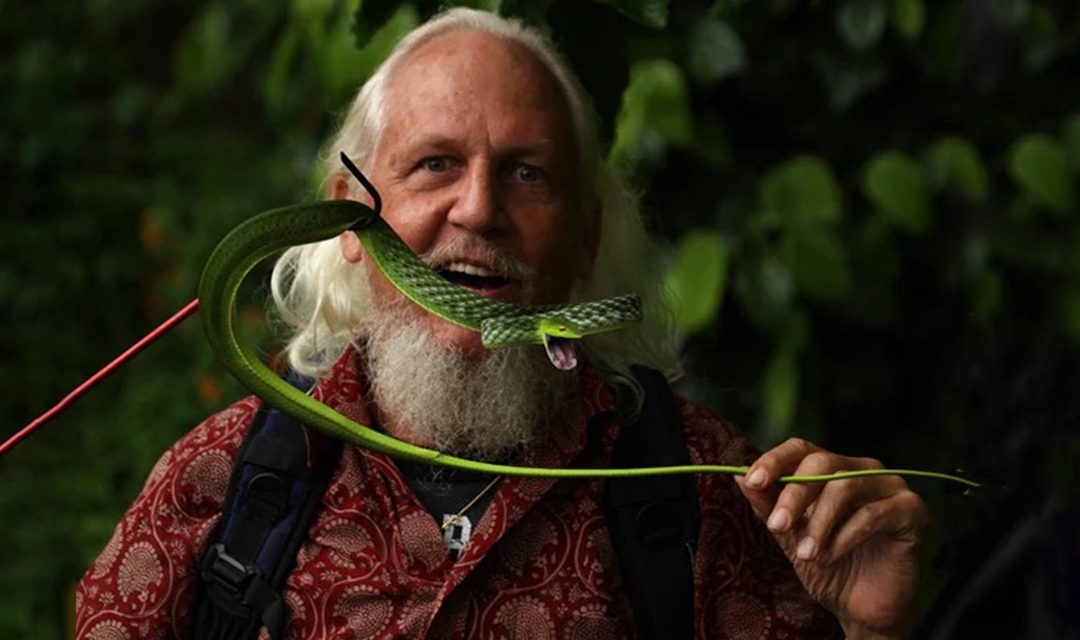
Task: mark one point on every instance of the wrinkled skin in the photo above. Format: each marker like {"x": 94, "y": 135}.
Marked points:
{"x": 477, "y": 145}
{"x": 852, "y": 542}
{"x": 490, "y": 163}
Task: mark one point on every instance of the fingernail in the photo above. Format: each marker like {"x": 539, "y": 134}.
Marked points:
{"x": 756, "y": 479}
{"x": 806, "y": 548}
{"x": 779, "y": 519}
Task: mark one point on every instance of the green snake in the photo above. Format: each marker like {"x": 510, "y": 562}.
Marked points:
{"x": 500, "y": 324}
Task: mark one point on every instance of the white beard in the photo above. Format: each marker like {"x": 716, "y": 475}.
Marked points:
{"x": 486, "y": 408}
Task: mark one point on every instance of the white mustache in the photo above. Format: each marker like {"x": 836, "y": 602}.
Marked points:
{"x": 480, "y": 252}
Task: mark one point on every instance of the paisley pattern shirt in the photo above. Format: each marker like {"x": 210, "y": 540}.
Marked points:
{"x": 539, "y": 564}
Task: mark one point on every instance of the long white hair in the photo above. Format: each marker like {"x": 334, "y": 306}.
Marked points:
{"x": 322, "y": 298}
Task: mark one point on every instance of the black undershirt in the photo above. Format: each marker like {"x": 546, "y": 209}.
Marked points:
{"x": 444, "y": 492}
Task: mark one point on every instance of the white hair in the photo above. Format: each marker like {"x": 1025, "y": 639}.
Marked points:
{"x": 321, "y": 297}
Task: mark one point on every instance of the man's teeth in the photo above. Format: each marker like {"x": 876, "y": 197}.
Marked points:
{"x": 471, "y": 270}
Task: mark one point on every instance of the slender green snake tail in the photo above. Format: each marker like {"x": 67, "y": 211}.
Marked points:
{"x": 273, "y": 231}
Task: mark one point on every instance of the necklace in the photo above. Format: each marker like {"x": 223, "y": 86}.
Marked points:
{"x": 457, "y": 516}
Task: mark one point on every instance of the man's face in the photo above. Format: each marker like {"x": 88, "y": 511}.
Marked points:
{"x": 477, "y": 158}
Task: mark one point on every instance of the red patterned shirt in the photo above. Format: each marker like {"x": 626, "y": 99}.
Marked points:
{"x": 539, "y": 563}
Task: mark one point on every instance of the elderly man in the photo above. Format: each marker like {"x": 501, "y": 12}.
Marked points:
{"x": 484, "y": 151}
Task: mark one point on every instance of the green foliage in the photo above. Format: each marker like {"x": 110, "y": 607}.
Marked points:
{"x": 651, "y": 13}
{"x": 800, "y": 192}
{"x": 953, "y": 165}
{"x": 697, "y": 278}
{"x": 894, "y": 183}
{"x": 861, "y": 23}
{"x": 655, "y": 113}
{"x": 854, "y": 190}
{"x": 715, "y": 51}
{"x": 1040, "y": 165}
{"x": 909, "y": 18}
{"x": 816, "y": 260}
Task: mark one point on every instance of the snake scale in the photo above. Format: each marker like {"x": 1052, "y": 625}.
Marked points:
{"x": 500, "y": 324}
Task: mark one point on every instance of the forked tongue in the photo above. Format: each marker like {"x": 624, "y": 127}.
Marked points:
{"x": 561, "y": 352}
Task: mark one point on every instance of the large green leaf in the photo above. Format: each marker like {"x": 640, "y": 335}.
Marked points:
{"x": 697, "y": 277}
{"x": 780, "y": 393}
{"x": 714, "y": 51}
{"x": 894, "y": 183}
{"x": 651, "y": 13}
{"x": 765, "y": 292}
{"x": 344, "y": 67}
{"x": 862, "y": 22}
{"x": 655, "y": 105}
{"x": 953, "y": 164}
{"x": 369, "y": 17}
{"x": 801, "y": 190}
{"x": 780, "y": 382}
{"x": 817, "y": 263}
{"x": 202, "y": 60}
{"x": 277, "y": 78}
{"x": 909, "y": 18}
{"x": 1040, "y": 165}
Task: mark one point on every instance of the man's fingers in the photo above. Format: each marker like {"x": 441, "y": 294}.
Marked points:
{"x": 778, "y": 461}
{"x": 761, "y": 500}
{"x": 837, "y": 501}
{"x": 900, "y": 516}
{"x": 796, "y": 497}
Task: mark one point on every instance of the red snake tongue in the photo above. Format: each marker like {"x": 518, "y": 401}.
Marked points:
{"x": 561, "y": 352}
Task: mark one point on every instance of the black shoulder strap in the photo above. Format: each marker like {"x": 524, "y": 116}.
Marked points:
{"x": 654, "y": 521}
{"x": 276, "y": 487}
{"x": 278, "y": 482}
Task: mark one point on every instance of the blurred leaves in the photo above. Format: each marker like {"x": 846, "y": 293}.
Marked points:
{"x": 801, "y": 191}
{"x": 202, "y": 60}
{"x": 651, "y": 13}
{"x": 852, "y": 190}
{"x": 894, "y": 183}
{"x": 1039, "y": 164}
{"x": 816, "y": 260}
{"x": 697, "y": 278}
{"x": 862, "y": 22}
{"x": 655, "y": 112}
{"x": 953, "y": 165}
{"x": 715, "y": 51}
{"x": 909, "y": 18}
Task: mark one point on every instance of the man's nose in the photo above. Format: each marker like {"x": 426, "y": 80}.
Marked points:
{"x": 480, "y": 207}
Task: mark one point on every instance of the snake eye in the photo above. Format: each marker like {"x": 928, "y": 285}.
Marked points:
{"x": 562, "y": 328}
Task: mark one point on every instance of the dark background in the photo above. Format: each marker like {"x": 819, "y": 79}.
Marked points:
{"x": 870, "y": 209}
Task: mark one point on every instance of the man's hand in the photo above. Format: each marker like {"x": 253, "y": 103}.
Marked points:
{"x": 852, "y": 541}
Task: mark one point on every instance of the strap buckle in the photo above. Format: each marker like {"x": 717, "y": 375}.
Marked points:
{"x": 226, "y": 571}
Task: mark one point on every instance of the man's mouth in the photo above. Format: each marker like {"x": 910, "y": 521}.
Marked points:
{"x": 471, "y": 276}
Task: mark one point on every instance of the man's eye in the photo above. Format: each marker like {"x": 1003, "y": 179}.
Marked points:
{"x": 527, "y": 173}
{"x": 436, "y": 164}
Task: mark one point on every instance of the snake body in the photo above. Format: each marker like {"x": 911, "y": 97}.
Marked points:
{"x": 500, "y": 323}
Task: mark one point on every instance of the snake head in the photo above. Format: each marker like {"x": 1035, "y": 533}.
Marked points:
{"x": 558, "y": 335}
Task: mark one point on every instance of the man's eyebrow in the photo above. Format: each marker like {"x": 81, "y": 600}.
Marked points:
{"x": 529, "y": 148}
{"x": 426, "y": 143}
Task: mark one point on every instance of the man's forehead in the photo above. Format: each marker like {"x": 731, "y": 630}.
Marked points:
{"x": 470, "y": 64}
{"x": 463, "y": 75}
{"x": 467, "y": 45}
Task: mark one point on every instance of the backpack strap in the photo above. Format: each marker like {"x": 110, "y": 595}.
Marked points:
{"x": 654, "y": 521}
{"x": 274, "y": 493}
{"x": 282, "y": 471}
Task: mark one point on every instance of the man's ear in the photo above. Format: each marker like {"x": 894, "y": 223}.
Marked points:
{"x": 351, "y": 248}
{"x": 339, "y": 186}
{"x": 341, "y": 189}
